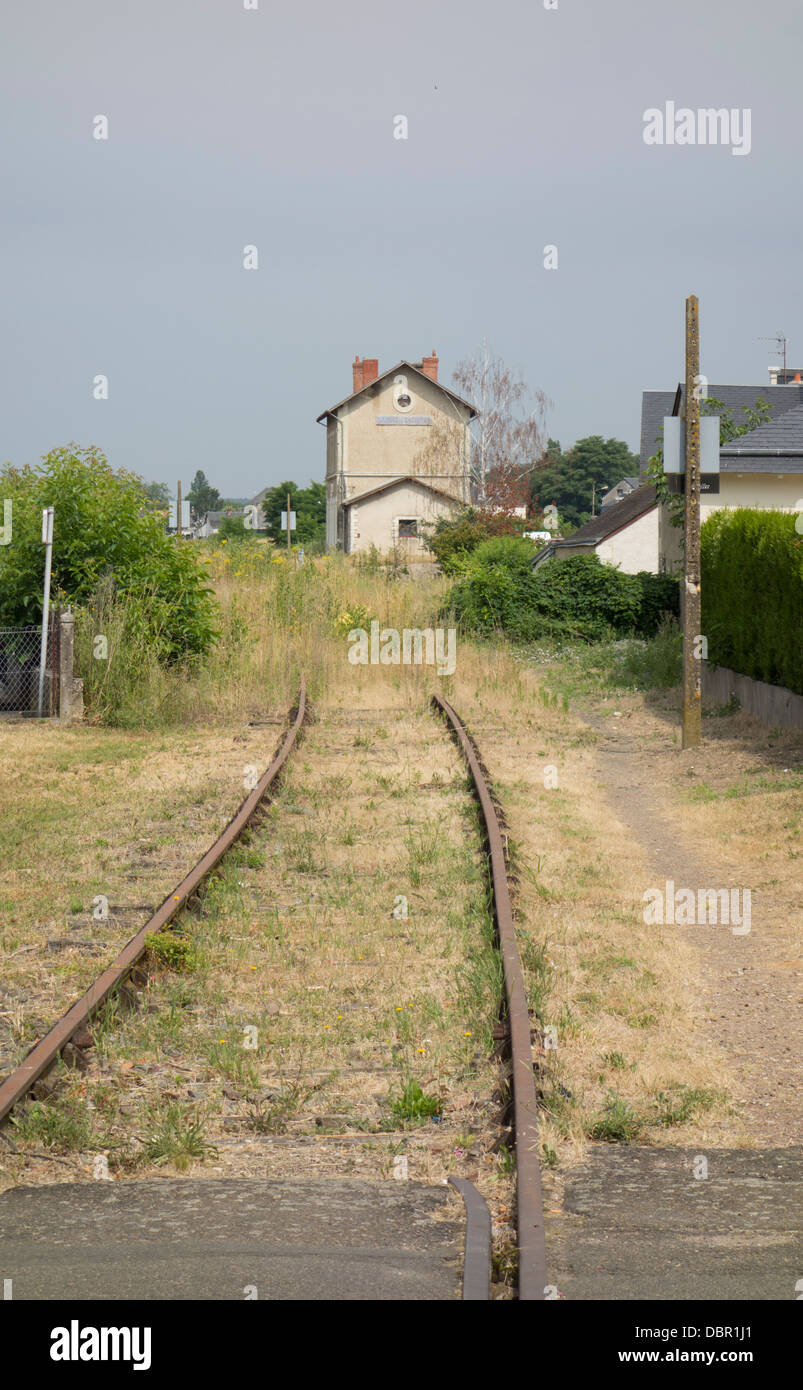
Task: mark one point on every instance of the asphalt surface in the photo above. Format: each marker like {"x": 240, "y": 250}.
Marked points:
{"x": 636, "y": 1223}
{"x": 176, "y": 1238}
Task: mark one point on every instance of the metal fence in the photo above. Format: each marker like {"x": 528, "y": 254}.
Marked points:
{"x": 19, "y": 669}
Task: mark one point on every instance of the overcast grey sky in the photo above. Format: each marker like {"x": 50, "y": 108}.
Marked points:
{"x": 274, "y": 127}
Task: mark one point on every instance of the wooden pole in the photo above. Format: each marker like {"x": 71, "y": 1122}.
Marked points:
{"x": 288, "y": 525}
{"x": 178, "y": 513}
{"x": 692, "y": 669}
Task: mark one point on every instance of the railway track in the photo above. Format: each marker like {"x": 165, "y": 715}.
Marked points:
{"x": 515, "y": 1025}
{"x": 46, "y": 1051}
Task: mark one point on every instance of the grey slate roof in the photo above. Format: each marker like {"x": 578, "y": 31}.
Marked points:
{"x": 610, "y": 499}
{"x": 782, "y": 432}
{"x": 656, "y": 404}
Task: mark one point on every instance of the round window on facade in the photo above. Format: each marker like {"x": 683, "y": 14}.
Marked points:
{"x": 402, "y": 398}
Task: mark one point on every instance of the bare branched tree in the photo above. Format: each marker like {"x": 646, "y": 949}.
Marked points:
{"x": 443, "y": 458}
{"x": 506, "y": 440}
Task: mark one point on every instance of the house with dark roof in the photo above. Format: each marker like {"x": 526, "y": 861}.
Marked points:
{"x": 656, "y": 404}
{"x": 397, "y": 457}
{"x": 760, "y": 469}
{"x": 625, "y": 535}
{"x": 210, "y": 524}
{"x": 619, "y": 491}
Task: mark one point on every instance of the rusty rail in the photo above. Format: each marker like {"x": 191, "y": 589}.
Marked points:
{"x": 47, "y": 1049}
{"x": 529, "y": 1200}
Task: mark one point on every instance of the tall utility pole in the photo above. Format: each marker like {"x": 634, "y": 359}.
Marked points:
{"x": 178, "y": 512}
{"x": 692, "y": 607}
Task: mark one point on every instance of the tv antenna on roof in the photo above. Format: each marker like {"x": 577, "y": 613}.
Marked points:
{"x": 781, "y": 340}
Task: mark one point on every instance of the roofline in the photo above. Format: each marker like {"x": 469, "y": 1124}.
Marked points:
{"x": 393, "y": 482}
{"x": 412, "y": 367}
{"x": 762, "y": 453}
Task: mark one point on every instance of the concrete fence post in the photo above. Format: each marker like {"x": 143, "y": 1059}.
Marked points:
{"x": 66, "y": 651}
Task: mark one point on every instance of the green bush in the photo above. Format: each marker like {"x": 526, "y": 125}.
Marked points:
{"x": 104, "y": 537}
{"x": 752, "y": 594}
{"x": 510, "y": 552}
{"x": 233, "y": 528}
{"x": 576, "y": 597}
{"x": 454, "y": 538}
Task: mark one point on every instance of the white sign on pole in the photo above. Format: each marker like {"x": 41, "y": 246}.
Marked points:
{"x": 675, "y": 444}
{"x": 292, "y": 521}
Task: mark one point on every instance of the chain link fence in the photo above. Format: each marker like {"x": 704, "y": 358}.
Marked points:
{"x": 19, "y": 669}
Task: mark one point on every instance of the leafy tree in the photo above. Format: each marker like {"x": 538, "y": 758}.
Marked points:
{"x": 158, "y": 494}
{"x": 569, "y": 480}
{"x": 201, "y": 496}
{"x": 309, "y": 505}
{"x": 102, "y": 537}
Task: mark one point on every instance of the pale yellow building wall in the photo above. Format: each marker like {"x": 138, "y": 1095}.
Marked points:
{"x": 375, "y": 521}
{"x": 373, "y": 453}
{"x": 766, "y": 491}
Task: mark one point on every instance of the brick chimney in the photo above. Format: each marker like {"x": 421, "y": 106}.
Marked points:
{"x": 365, "y": 371}
{"x": 429, "y": 366}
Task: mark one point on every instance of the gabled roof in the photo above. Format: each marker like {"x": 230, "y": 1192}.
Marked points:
{"x": 397, "y": 482}
{"x": 656, "y": 404}
{"x": 406, "y": 366}
{"x": 630, "y": 483}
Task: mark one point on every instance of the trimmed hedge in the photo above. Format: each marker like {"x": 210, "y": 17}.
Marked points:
{"x": 576, "y": 597}
{"x": 752, "y": 595}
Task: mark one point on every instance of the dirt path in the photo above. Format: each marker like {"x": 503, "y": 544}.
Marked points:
{"x": 751, "y": 1003}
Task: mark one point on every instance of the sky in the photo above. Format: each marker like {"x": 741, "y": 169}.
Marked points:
{"x": 273, "y": 127}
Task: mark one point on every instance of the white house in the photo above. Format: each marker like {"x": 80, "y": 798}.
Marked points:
{"x": 626, "y": 534}
{"x": 761, "y": 469}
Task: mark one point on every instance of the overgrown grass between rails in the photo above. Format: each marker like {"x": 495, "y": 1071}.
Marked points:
{"x": 175, "y": 1134}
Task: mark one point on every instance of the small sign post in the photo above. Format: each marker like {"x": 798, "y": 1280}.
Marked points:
{"x": 288, "y": 522}
{"x": 47, "y": 541}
